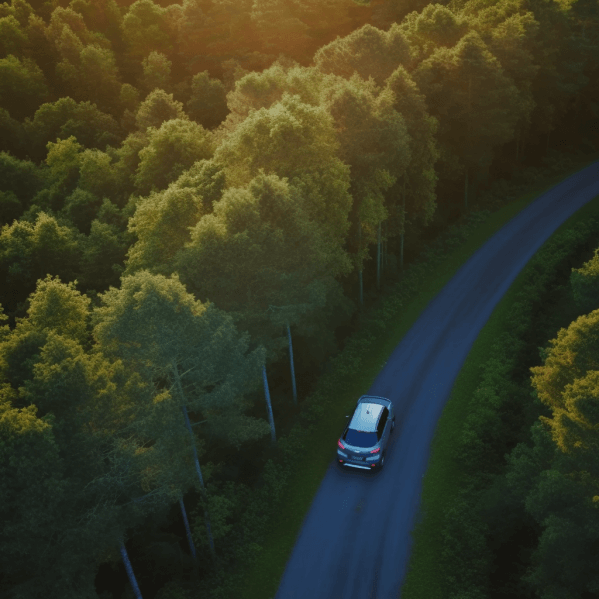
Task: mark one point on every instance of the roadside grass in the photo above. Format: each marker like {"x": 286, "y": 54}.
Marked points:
{"x": 442, "y": 479}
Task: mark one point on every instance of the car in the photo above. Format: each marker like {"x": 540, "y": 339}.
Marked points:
{"x": 364, "y": 441}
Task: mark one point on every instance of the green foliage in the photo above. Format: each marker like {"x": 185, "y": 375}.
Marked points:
{"x": 99, "y": 78}
{"x": 60, "y": 308}
{"x": 571, "y": 355}
{"x": 145, "y": 28}
{"x": 152, "y": 322}
{"x": 584, "y": 282}
{"x": 294, "y": 140}
{"x": 171, "y": 150}
{"x": 434, "y": 27}
{"x": 468, "y": 92}
{"x": 488, "y": 435}
{"x": 97, "y": 174}
{"x": 63, "y": 163}
{"x": 11, "y": 133}
{"x": 104, "y": 251}
{"x": 23, "y": 86}
{"x": 208, "y": 102}
{"x": 129, "y": 96}
{"x": 12, "y": 38}
{"x": 65, "y": 117}
{"x": 22, "y": 177}
{"x": 367, "y": 51}
{"x": 157, "y": 108}
{"x": 161, "y": 223}
{"x": 30, "y": 251}
{"x": 262, "y": 224}
{"x": 156, "y": 72}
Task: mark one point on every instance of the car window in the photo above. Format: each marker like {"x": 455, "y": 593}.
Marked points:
{"x": 360, "y": 438}
{"x": 382, "y": 422}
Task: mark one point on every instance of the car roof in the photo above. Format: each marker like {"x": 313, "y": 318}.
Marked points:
{"x": 366, "y": 417}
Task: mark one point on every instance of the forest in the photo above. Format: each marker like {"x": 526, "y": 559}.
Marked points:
{"x": 190, "y": 191}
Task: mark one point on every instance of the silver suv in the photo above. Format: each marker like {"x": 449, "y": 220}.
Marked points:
{"x": 364, "y": 442}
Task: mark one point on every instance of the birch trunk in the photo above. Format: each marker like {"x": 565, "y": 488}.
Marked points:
{"x": 195, "y": 455}
{"x": 292, "y": 367}
{"x": 187, "y": 529}
{"x": 269, "y": 406}
{"x": 130, "y": 573}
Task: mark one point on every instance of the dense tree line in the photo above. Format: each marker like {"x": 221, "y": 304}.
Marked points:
{"x": 174, "y": 220}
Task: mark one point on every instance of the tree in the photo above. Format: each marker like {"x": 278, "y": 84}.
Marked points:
{"x": 99, "y": 77}
{"x": 557, "y": 480}
{"x": 368, "y": 51}
{"x": 23, "y": 87}
{"x": 60, "y": 308}
{"x": 208, "y": 102}
{"x": 12, "y": 38}
{"x": 97, "y": 174}
{"x": 30, "y": 251}
{"x": 103, "y": 16}
{"x": 434, "y": 27}
{"x": 584, "y": 283}
{"x": 61, "y": 519}
{"x": 162, "y": 331}
{"x": 476, "y": 104}
{"x": 103, "y": 254}
{"x": 157, "y": 108}
{"x": 171, "y": 149}
{"x": 145, "y": 28}
{"x": 11, "y": 133}
{"x": 417, "y": 186}
{"x": 373, "y": 141}
{"x": 161, "y": 223}
{"x": 156, "y": 72}
{"x": 261, "y": 258}
{"x": 294, "y": 140}
{"x": 63, "y": 164}
{"x": 21, "y": 177}
{"x": 81, "y": 208}
{"x": 571, "y": 356}
{"x": 290, "y": 34}
{"x": 65, "y": 117}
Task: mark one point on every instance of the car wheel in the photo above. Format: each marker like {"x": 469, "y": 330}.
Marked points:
{"x": 393, "y": 424}
{"x": 382, "y": 463}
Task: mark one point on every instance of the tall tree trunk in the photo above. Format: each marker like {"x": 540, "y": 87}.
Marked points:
{"x": 187, "y": 529}
{"x": 547, "y": 144}
{"x": 386, "y": 260}
{"x": 269, "y": 406}
{"x": 292, "y": 367}
{"x": 195, "y": 456}
{"x": 130, "y": 573}
{"x": 360, "y": 266}
{"x": 378, "y": 259}
{"x": 517, "y": 143}
{"x": 466, "y": 190}
{"x": 522, "y": 144}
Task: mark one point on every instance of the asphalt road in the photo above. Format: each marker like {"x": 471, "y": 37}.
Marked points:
{"x": 355, "y": 540}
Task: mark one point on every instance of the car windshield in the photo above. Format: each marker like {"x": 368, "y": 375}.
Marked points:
{"x": 360, "y": 438}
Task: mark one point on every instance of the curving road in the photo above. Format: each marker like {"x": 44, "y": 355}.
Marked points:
{"x": 355, "y": 540}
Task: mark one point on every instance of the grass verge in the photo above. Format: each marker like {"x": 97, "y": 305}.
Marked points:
{"x": 262, "y": 579}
